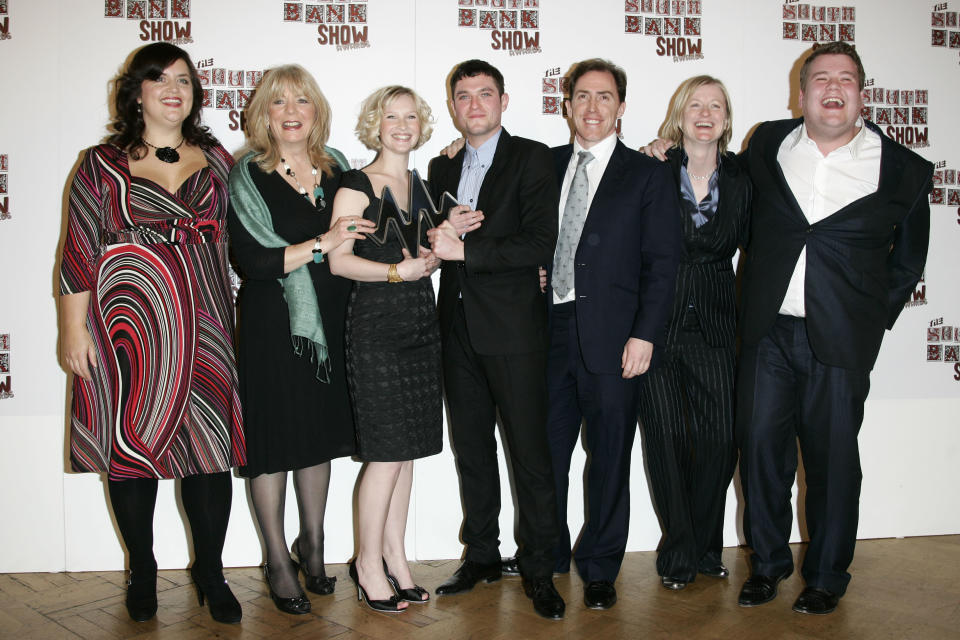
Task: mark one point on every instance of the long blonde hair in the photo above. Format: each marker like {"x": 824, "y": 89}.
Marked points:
{"x": 259, "y": 138}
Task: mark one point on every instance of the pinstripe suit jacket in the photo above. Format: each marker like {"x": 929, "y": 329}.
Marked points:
{"x": 705, "y": 277}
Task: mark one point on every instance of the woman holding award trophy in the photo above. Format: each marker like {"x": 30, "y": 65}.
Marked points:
{"x": 393, "y": 346}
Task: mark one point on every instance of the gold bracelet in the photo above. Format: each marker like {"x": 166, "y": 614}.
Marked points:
{"x": 393, "y": 275}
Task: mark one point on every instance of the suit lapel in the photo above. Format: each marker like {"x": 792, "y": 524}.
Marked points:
{"x": 609, "y": 182}
{"x": 500, "y": 160}
{"x": 770, "y": 158}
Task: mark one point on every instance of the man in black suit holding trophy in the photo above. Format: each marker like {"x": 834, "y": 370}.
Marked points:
{"x": 493, "y": 325}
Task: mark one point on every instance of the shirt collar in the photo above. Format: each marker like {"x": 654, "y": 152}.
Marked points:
{"x": 854, "y": 147}
{"x": 486, "y": 150}
{"x": 601, "y": 151}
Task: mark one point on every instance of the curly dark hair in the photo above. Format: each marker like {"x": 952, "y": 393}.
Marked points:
{"x": 148, "y": 64}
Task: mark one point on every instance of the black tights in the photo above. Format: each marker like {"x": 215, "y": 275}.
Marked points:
{"x": 206, "y": 499}
{"x": 268, "y": 492}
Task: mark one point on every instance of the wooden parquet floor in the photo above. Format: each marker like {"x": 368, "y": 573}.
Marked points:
{"x": 908, "y": 588}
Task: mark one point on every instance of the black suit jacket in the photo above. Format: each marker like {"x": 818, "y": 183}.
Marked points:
{"x": 626, "y": 261}
{"x": 705, "y": 278}
{"x": 863, "y": 261}
{"x": 498, "y": 279}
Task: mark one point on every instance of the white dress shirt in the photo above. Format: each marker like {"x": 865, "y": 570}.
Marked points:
{"x": 601, "y": 158}
{"x": 823, "y": 185}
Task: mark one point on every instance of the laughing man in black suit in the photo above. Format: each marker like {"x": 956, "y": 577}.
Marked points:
{"x": 838, "y": 242}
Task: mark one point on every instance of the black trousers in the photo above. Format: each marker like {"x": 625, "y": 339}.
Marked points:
{"x": 606, "y": 405}
{"x": 784, "y": 394}
{"x": 686, "y": 412}
{"x": 476, "y": 387}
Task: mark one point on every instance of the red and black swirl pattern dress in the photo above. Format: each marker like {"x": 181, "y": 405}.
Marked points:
{"x": 163, "y": 399}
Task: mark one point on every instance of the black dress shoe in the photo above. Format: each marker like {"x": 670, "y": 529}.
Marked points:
{"x": 760, "y": 589}
{"x": 599, "y": 594}
{"x": 674, "y": 584}
{"x": 546, "y": 601}
{"x": 468, "y": 575}
{"x": 390, "y": 605}
{"x": 816, "y": 601}
{"x": 319, "y": 584}
{"x": 412, "y": 594}
{"x": 142, "y": 595}
{"x": 715, "y": 571}
{"x": 297, "y": 605}
{"x": 510, "y": 566}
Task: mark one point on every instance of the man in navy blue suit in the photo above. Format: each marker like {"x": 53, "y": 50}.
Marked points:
{"x": 611, "y": 289}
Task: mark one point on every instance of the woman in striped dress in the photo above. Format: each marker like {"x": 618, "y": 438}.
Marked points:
{"x": 146, "y": 318}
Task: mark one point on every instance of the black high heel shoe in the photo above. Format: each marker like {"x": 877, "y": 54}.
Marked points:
{"x": 142, "y": 595}
{"x": 223, "y": 604}
{"x": 297, "y": 605}
{"x": 414, "y": 594}
{"x": 321, "y": 584}
{"x": 383, "y": 606}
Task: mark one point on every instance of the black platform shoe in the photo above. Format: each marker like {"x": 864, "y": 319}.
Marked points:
{"x": 213, "y": 588}
{"x": 142, "y": 595}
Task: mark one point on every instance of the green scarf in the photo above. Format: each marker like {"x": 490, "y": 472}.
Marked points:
{"x": 306, "y": 325}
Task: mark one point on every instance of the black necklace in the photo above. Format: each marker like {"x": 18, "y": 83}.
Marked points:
{"x": 319, "y": 202}
{"x": 165, "y": 154}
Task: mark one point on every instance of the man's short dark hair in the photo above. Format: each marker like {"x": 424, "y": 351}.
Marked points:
{"x": 598, "y": 64}
{"x": 835, "y": 48}
{"x": 472, "y": 68}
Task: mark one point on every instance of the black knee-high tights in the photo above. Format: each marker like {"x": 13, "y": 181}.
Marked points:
{"x": 206, "y": 499}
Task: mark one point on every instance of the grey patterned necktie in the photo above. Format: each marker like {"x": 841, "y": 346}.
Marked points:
{"x": 571, "y": 225}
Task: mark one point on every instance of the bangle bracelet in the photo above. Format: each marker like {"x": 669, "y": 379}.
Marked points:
{"x": 317, "y": 251}
{"x": 393, "y": 275}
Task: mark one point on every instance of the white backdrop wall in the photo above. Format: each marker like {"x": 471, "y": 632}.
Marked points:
{"x": 59, "y": 56}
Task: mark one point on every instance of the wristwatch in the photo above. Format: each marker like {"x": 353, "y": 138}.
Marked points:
{"x": 317, "y": 251}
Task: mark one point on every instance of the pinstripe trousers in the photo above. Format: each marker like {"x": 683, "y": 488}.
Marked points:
{"x": 686, "y": 414}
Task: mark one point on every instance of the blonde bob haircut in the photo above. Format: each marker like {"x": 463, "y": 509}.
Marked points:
{"x": 260, "y": 140}
{"x": 672, "y": 129}
{"x": 371, "y": 113}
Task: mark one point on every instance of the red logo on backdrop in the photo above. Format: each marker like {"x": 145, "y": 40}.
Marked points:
{"x": 6, "y": 390}
{"x": 901, "y": 113}
{"x": 553, "y": 86}
{"x": 944, "y": 31}
{"x": 159, "y": 20}
{"x": 341, "y": 24}
{"x": 4, "y": 187}
{"x": 228, "y": 90}
{"x": 946, "y": 187}
{"x": 513, "y": 25}
{"x": 675, "y": 24}
{"x": 919, "y": 296}
{"x": 943, "y": 345}
{"x": 815, "y": 23}
{"x": 4, "y": 21}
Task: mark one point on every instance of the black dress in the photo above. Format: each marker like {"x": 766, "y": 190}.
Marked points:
{"x": 292, "y": 420}
{"x": 393, "y": 355}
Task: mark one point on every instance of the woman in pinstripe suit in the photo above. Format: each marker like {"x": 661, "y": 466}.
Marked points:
{"x": 686, "y": 401}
